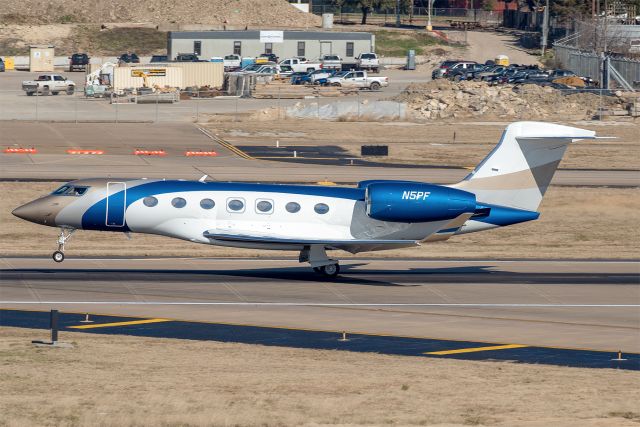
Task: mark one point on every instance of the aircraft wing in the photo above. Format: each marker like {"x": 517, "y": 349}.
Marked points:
{"x": 448, "y": 230}
{"x": 349, "y": 245}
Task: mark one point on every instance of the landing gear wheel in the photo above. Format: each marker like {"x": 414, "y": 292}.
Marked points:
{"x": 58, "y": 256}
{"x": 330, "y": 270}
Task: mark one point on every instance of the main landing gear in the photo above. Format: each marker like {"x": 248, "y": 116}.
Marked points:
{"x": 317, "y": 256}
{"x": 58, "y": 256}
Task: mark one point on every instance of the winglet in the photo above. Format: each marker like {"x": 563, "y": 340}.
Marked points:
{"x": 204, "y": 178}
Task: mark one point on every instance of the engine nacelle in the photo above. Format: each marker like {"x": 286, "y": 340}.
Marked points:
{"x": 416, "y": 202}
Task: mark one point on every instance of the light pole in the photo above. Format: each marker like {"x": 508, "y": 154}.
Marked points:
{"x": 430, "y": 4}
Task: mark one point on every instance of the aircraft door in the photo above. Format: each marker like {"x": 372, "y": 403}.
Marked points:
{"x": 116, "y": 203}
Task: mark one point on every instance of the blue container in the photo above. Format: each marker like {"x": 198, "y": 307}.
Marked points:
{"x": 247, "y": 61}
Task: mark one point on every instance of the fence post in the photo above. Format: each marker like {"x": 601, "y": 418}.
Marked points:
{"x": 36, "y": 95}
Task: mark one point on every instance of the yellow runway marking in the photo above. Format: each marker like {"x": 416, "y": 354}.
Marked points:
{"x": 474, "y": 349}
{"x": 114, "y": 324}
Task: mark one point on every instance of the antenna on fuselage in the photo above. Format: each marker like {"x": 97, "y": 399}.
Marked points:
{"x": 204, "y": 178}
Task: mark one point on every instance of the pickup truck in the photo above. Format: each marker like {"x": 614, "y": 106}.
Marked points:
{"x": 232, "y": 62}
{"x": 299, "y": 65}
{"x": 49, "y": 83}
{"x": 331, "y": 62}
{"x": 368, "y": 61}
{"x": 358, "y": 79}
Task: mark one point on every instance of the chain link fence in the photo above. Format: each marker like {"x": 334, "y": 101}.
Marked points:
{"x": 589, "y": 64}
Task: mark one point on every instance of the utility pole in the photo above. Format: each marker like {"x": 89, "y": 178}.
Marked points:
{"x": 398, "y": 13}
{"x": 430, "y": 5}
{"x": 545, "y": 28}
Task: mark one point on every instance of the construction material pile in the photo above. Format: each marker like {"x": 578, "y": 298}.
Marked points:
{"x": 232, "y": 13}
{"x": 442, "y": 99}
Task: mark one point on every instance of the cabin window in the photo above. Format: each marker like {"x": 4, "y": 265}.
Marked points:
{"x": 292, "y": 207}
{"x": 321, "y": 208}
{"x": 178, "y": 202}
{"x": 235, "y": 205}
{"x": 207, "y": 204}
{"x": 264, "y": 206}
{"x": 150, "y": 201}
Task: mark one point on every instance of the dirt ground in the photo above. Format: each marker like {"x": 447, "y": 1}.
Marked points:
{"x": 444, "y": 144}
{"x": 575, "y": 223}
{"x": 124, "y": 381}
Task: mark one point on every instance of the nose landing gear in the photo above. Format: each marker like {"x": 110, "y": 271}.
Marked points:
{"x": 58, "y": 256}
{"x": 330, "y": 270}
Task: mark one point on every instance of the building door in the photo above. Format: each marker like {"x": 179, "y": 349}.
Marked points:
{"x": 116, "y": 203}
{"x": 325, "y": 48}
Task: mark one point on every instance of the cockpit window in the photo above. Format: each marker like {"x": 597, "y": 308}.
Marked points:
{"x": 70, "y": 190}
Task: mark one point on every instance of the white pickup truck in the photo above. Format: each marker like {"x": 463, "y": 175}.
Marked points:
{"x": 358, "y": 79}
{"x": 232, "y": 62}
{"x": 331, "y": 62}
{"x": 49, "y": 84}
{"x": 300, "y": 65}
{"x": 368, "y": 61}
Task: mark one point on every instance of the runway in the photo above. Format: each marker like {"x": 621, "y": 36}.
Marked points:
{"x": 570, "y": 304}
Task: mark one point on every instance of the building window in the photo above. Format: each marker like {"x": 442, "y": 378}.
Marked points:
{"x": 301, "y": 49}
{"x": 268, "y": 48}
{"x": 264, "y": 206}
{"x": 321, "y": 208}
{"x": 207, "y": 204}
{"x": 292, "y": 207}
{"x": 235, "y": 205}
{"x": 197, "y": 47}
{"x": 150, "y": 201}
{"x": 237, "y": 48}
{"x": 350, "y": 49}
{"x": 179, "y": 202}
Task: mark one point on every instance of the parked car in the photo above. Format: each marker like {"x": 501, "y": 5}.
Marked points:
{"x": 556, "y": 74}
{"x": 358, "y": 79}
{"x": 300, "y": 65}
{"x": 78, "y": 62}
{"x": 187, "y": 57}
{"x": 439, "y": 72}
{"x": 368, "y": 61}
{"x": 490, "y": 72}
{"x": 464, "y": 73}
{"x": 331, "y": 62}
{"x": 2, "y": 67}
{"x": 49, "y": 84}
{"x": 296, "y": 77}
{"x": 271, "y": 57}
{"x": 129, "y": 58}
{"x": 315, "y": 77}
{"x": 232, "y": 62}
{"x": 533, "y": 77}
{"x": 159, "y": 58}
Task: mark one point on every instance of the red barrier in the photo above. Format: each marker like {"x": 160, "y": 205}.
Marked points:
{"x": 95, "y": 152}
{"x": 200, "y": 153}
{"x": 14, "y": 150}
{"x": 149, "y": 153}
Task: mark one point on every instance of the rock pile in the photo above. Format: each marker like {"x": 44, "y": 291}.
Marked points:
{"x": 442, "y": 99}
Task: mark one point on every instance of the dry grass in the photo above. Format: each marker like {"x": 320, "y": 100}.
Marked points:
{"x": 125, "y": 381}
{"x": 575, "y": 223}
{"x": 463, "y": 144}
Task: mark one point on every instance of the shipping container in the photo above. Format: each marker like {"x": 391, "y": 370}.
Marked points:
{"x": 201, "y": 73}
{"x": 133, "y": 77}
{"x": 41, "y": 59}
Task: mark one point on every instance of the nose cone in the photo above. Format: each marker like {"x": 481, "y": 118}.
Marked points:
{"x": 33, "y": 211}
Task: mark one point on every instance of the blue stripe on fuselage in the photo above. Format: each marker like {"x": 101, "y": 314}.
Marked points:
{"x": 94, "y": 217}
{"x": 502, "y": 215}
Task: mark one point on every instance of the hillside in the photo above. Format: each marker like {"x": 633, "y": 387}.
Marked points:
{"x": 262, "y": 13}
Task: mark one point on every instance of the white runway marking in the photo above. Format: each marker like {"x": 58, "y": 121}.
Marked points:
{"x": 321, "y": 304}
